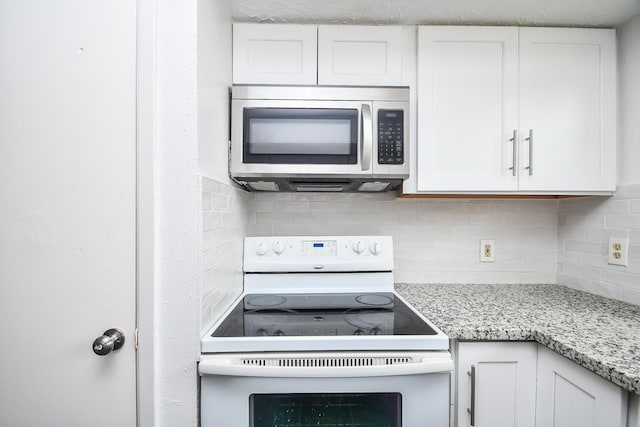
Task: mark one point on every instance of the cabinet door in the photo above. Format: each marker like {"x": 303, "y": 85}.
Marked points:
{"x": 505, "y": 384}
{"x": 568, "y": 103}
{"x": 274, "y": 54}
{"x": 360, "y": 55}
{"x": 467, "y": 109}
{"x": 569, "y": 395}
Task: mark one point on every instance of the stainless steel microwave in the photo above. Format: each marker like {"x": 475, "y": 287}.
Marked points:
{"x": 319, "y": 138}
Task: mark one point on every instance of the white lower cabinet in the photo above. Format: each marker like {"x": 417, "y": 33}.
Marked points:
{"x": 522, "y": 384}
{"x": 502, "y": 376}
{"x": 569, "y": 395}
{"x": 633, "y": 419}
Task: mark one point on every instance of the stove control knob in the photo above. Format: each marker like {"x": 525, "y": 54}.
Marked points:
{"x": 358, "y": 247}
{"x": 358, "y": 332}
{"x": 261, "y": 332}
{"x": 278, "y": 248}
{"x": 261, "y": 249}
{"x": 375, "y": 331}
{"x": 278, "y": 333}
{"x": 375, "y": 248}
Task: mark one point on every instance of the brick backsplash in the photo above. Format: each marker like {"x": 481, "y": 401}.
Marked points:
{"x": 584, "y": 228}
{"x": 435, "y": 240}
{"x": 226, "y": 211}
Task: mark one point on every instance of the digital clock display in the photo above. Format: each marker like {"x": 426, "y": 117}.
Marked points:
{"x": 318, "y": 248}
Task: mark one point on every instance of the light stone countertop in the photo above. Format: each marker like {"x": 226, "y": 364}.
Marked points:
{"x": 601, "y": 334}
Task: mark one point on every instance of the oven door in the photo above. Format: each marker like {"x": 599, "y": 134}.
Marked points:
{"x": 326, "y": 390}
{"x": 288, "y": 138}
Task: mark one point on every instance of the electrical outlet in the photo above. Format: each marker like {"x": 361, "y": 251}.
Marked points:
{"x": 486, "y": 250}
{"x": 618, "y": 251}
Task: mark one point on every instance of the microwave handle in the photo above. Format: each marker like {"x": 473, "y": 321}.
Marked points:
{"x": 366, "y": 137}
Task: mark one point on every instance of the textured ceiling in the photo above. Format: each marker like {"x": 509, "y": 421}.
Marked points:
{"x": 591, "y": 13}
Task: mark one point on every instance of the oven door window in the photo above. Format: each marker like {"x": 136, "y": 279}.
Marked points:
{"x": 300, "y": 135}
{"x": 325, "y": 409}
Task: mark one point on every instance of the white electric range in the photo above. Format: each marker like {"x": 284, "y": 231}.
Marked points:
{"x": 320, "y": 336}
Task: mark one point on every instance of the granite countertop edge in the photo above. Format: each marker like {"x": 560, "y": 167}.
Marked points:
{"x": 560, "y": 318}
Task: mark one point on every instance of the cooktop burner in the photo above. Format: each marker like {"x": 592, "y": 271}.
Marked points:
{"x": 321, "y": 315}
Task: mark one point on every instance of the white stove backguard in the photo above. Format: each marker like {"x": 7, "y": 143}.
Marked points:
{"x": 318, "y": 254}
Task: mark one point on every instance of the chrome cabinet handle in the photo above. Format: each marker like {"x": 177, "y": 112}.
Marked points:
{"x": 514, "y": 142}
{"x": 366, "y": 137}
{"x": 472, "y": 410}
{"x": 111, "y": 340}
{"x": 530, "y": 139}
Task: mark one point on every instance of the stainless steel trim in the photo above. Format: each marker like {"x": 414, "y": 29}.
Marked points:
{"x": 514, "y": 141}
{"x": 530, "y": 139}
{"x": 472, "y": 410}
{"x": 366, "y": 137}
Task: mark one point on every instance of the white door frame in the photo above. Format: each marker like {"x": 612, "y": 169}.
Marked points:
{"x": 145, "y": 210}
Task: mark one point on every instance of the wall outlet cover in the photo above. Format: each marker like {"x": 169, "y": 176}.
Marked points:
{"x": 487, "y": 250}
{"x": 618, "y": 251}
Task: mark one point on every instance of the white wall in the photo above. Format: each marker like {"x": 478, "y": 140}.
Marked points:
{"x": 629, "y": 102}
{"x": 177, "y": 307}
{"x": 585, "y": 225}
{"x": 214, "y": 81}
{"x": 584, "y": 228}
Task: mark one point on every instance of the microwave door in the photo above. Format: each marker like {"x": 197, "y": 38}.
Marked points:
{"x": 301, "y": 138}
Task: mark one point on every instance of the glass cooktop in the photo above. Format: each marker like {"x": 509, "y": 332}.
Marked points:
{"x": 277, "y": 315}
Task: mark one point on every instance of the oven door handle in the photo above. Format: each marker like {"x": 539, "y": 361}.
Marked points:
{"x": 229, "y": 367}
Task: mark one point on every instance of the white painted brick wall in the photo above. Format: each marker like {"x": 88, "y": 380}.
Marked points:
{"x": 226, "y": 212}
{"x": 584, "y": 228}
{"x": 435, "y": 240}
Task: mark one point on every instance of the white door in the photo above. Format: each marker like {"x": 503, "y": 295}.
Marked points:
{"x": 568, "y": 104}
{"x": 67, "y": 211}
{"x": 467, "y": 109}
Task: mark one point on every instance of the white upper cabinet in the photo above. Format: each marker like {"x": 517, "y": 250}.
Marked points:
{"x": 515, "y": 110}
{"x": 360, "y": 55}
{"x": 467, "y": 108}
{"x": 340, "y": 55}
{"x": 568, "y": 103}
{"x": 274, "y": 54}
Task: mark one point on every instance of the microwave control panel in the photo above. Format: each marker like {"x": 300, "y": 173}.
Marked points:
{"x": 390, "y": 137}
